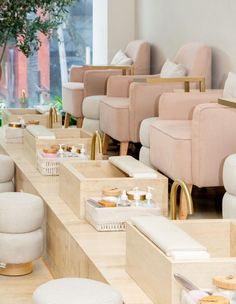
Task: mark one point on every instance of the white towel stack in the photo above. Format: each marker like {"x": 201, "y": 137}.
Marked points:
{"x": 172, "y": 240}
{"x": 13, "y": 135}
{"x": 40, "y": 132}
{"x": 133, "y": 167}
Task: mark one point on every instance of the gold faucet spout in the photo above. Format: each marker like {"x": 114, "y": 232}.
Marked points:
{"x": 96, "y": 136}
{"x": 52, "y": 117}
{"x": 173, "y": 198}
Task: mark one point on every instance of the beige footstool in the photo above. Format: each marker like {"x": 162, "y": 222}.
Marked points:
{"x": 21, "y": 236}
{"x": 144, "y": 133}
{"x": 76, "y": 291}
{"x": 91, "y": 112}
{"x": 7, "y": 172}
{"x": 229, "y": 179}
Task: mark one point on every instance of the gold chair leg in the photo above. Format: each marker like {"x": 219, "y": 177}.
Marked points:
{"x": 67, "y": 120}
{"x": 105, "y": 144}
{"x": 183, "y": 207}
{"x": 80, "y": 122}
{"x": 17, "y": 269}
{"x": 124, "y": 145}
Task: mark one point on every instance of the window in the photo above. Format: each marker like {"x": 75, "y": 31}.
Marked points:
{"x": 42, "y": 75}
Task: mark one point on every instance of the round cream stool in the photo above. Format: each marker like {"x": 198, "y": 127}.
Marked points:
{"x": 229, "y": 179}
{"x": 6, "y": 173}
{"x": 21, "y": 236}
{"x": 76, "y": 291}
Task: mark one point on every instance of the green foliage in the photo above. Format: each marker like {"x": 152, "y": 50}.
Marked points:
{"x": 57, "y": 103}
{"x": 21, "y": 20}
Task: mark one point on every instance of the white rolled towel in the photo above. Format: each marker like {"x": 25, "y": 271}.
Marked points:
{"x": 133, "y": 167}
{"x": 172, "y": 240}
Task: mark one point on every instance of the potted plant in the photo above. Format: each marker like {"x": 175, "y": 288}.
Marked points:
{"x": 22, "y": 20}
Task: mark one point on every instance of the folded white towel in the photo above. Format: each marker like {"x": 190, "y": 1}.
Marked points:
{"x": 40, "y": 132}
{"x": 166, "y": 235}
{"x": 133, "y": 167}
{"x": 189, "y": 255}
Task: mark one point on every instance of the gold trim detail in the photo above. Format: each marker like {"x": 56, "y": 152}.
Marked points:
{"x": 17, "y": 269}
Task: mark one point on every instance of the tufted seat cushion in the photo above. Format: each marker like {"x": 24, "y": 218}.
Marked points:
{"x": 20, "y": 212}
{"x": 76, "y": 291}
{"x": 91, "y": 106}
{"x": 7, "y": 169}
{"x": 21, "y": 247}
{"x": 174, "y": 143}
{"x": 72, "y": 93}
{"x": 115, "y": 111}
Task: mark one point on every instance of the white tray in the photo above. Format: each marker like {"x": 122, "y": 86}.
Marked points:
{"x": 114, "y": 219}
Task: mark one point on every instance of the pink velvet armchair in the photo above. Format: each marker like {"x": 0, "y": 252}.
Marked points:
{"x": 92, "y": 80}
{"x": 192, "y": 138}
{"x": 128, "y": 102}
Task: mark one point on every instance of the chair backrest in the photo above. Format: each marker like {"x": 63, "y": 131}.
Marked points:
{"x": 139, "y": 51}
{"x": 196, "y": 57}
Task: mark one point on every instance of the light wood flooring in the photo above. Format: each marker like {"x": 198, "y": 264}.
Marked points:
{"x": 19, "y": 290}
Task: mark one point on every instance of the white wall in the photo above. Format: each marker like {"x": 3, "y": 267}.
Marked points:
{"x": 113, "y": 27}
{"x": 100, "y": 31}
{"x": 168, "y": 24}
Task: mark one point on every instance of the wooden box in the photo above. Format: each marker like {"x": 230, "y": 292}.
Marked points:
{"x": 68, "y": 136}
{"x": 153, "y": 270}
{"x": 15, "y": 114}
{"x": 81, "y": 180}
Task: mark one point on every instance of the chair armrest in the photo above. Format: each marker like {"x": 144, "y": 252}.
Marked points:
{"x": 144, "y": 103}
{"x": 213, "y": 139}
{"x": 180, "y": 106}
{"x": 185, "y": 80}
{"x": 125, "y": 69}
{"x": 95, "y": 81}
{"x": 76, "y": 73}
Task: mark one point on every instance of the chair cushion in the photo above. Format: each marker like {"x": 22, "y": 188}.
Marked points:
{"x": 20, "y": 212}
{"x": 91, "y": 106}
{"x": 72, "y": 98}
{"x": 145, "y": 130}
{"x": 7, "y": 168}
{"x": 17, "y": 248}
{"x": 170, "y": 148}
{"x": 230, "y": 86}
{"x": 121, "y": 58}
{"x": 76, "y": 291}
{"x": 114, "y": 117}
{"x": 172, "y": 69}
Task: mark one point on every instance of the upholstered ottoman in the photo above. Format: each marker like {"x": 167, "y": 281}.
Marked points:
{"x": 91, "y": 112}
{"x": 76, "y": 291}
{"x": 144, "y": 154}
{"x": 21, "y": 237}
{"x": 229, "y": 179}
{"x": 72, "y": 96}
{"x": 6, "y": 173}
